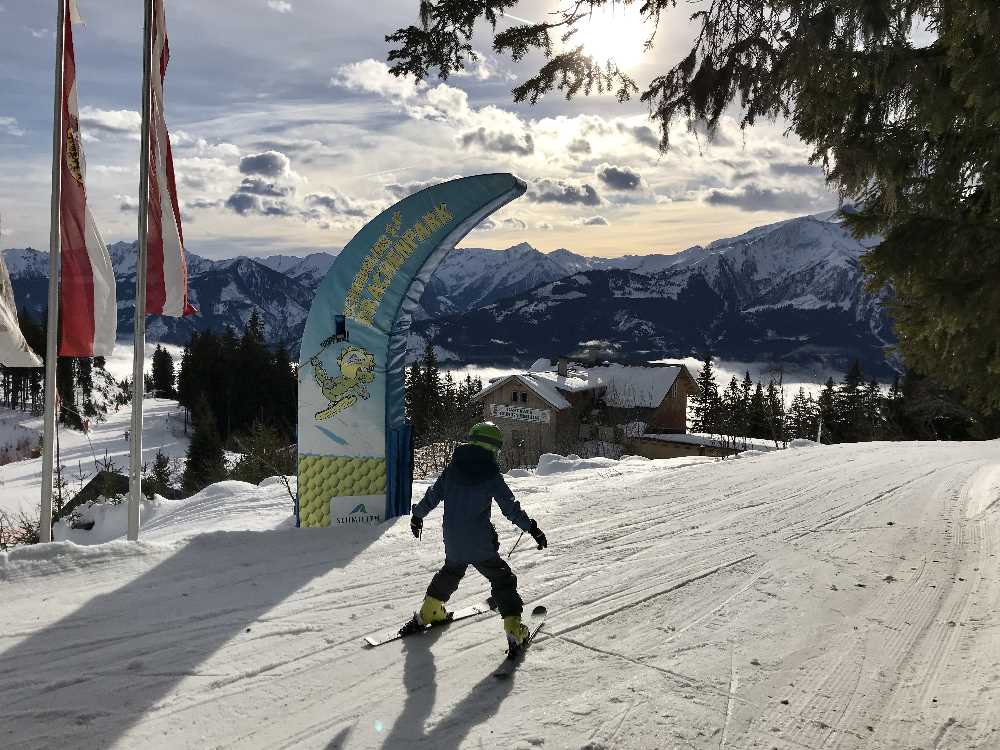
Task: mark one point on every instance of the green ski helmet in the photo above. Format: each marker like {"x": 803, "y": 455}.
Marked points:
{"x": 486, "y": 435}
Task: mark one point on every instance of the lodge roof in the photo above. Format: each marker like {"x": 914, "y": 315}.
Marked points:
{"x": 622, "y": 385}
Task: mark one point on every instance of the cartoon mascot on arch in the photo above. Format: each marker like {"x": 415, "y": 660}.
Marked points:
{"x": 357, "y": 370}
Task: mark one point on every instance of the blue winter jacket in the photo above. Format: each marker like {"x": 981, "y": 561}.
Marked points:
{"x": 468, "y": 487}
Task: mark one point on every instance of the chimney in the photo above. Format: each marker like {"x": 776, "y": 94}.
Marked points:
{"x": 562, "y": 367}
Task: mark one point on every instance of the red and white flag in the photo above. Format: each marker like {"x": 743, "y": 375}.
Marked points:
{"x": 87, "y": 302}
{"x": 166, "y": 279}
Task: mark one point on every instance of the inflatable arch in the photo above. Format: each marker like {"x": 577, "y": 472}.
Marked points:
{"x": 355, "y": 447}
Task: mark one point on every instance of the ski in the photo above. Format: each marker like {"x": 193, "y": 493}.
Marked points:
{"x": 413, "y": 628}
{"x": 514, "y": 656}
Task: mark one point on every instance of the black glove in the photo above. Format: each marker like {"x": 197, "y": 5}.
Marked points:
{"x": 416, "y": 525}
{"x": 539, "y": 537}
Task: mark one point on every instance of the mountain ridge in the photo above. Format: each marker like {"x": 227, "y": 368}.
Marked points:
{"x": 768, "y": 285}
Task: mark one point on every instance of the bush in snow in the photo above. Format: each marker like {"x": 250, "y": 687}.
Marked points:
{"x": 263, "y": 453}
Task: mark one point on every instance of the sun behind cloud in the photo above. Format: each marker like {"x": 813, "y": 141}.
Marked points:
{"x": 612, "y": 33}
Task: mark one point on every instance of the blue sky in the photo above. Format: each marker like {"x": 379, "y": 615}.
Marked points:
{"x": 289, "y": 133}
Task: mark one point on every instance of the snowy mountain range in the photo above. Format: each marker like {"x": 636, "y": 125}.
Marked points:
{"x": 791, "y": 291}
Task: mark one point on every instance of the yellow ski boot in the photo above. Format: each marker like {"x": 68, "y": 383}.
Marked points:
{"x": 432, "y": 612}
{"x": 515, "y": 630}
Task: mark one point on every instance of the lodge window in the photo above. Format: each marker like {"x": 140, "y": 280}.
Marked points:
{"x": 524, "y": 397}
{"x": 513, "y": 397}
{"x": 517, "y": 438}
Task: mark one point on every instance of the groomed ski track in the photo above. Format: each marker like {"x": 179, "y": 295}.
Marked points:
{"x": 823, "y": 597}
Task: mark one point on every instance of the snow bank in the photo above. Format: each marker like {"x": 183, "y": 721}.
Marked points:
{"x": 58, "y": 558}
{"x": 110, "y": 522}
{"x": 803, "y": 443}
{"x": 551, "y": 463}
{"x": 225, "y": 506}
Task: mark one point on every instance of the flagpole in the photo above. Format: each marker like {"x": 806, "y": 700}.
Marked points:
{"x": 139, "y": 353}
{"x": 52, "y": 334}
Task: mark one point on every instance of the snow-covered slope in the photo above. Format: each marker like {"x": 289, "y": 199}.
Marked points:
{"x": 829, "y": 597}
{"x": 471, "y": 277}
{"x": 163, "y": 430}
{"x": 310, "y": 270}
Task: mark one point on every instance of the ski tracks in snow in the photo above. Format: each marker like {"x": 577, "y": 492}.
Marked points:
{"x": 838, "y": 597}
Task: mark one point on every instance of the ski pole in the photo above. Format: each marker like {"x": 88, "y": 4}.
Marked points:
{"x": 515, "y": 546}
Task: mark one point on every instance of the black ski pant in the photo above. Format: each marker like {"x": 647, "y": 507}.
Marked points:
{"x": 502, "y": 580}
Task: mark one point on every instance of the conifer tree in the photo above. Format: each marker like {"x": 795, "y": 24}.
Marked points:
{"x": 206, "y": 461}
{"x": 416, "y": 411}
{"x": 707, "y": 403}
{"x": 827, "y": 412}
{"x": 163, "y": 373}
{"x": 802, "y": 416}
{"x": 850, "y": 407}
{"x": 775, "y": 413}
{"x": 758, "y": 419}
{"x": 872, "y": 404}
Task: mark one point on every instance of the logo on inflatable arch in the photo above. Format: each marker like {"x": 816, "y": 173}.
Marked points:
{"x": 360, "y": 514}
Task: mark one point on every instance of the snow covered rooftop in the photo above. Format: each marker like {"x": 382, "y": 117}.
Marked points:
{"x": 544, "y": 390}
{"x": 623, "y": 385}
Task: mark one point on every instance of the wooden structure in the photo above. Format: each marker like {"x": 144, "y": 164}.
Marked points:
{"x": 585, "y": 409}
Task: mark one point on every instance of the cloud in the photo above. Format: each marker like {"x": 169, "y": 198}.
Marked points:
{"x": 490, "y": 128}
{"x": 718, "y": 138}
{"x": 116, "y": 122}
{"x": 753, "y": 197}
{"x": 337, "y": 204}
{"x": 266, "y": 164}
{"x": 484, "y": 68}
{"x": 244, "y": 204}
{"x": 544, "y": 226}
{"x": 279, "y": 6}
{"x": 127, "y": 203}
{"x": 642, "y": 133}
{"x": 594, "y": 221}
{"x": 259, "y": 186}
{"x": 618, "y": 178}
{"x": 9, "y": 126}
{"x": 201, "y": 173}
{"x": 547, "y": 190}
{"x": 203, "y": 203}
{"x": 579, "y": 146}
{"x": 38, "y": 33}
{"x": 503, "y": 143}
{"x": 373, "y": 76}
{"x": 795, "y": 169}
{"x": 400, "y": 190}
{"x": 508, "y": 224}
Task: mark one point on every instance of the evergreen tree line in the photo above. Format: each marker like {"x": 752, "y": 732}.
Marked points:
{"x": 857, "y": 409}
{"x": 241, "y": 396}
{"x": 440, "y": 409}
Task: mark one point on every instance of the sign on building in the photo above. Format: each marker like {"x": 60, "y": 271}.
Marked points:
{"x": 521, "y": 413}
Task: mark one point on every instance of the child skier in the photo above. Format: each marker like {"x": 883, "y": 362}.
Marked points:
{"x": 468, "y": 486}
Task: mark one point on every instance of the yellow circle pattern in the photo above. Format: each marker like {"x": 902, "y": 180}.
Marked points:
{"x": 324, "y": 477}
